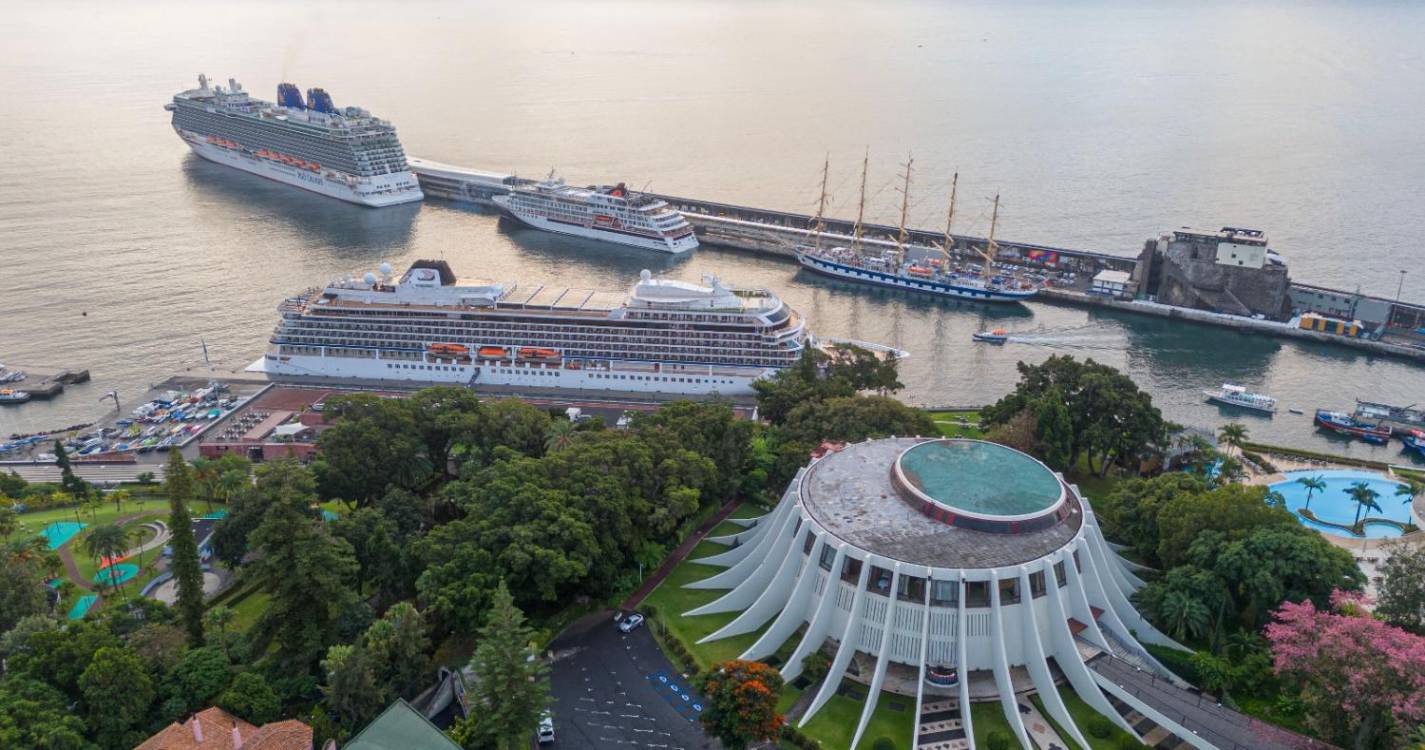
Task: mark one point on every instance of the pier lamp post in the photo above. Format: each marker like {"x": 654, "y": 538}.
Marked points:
{"x": 1401, "y": 286}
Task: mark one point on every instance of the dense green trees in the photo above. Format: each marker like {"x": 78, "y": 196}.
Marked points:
{"x": 1400, "y": 588}
{"x": 250, "y": 698}
{"x": 117, "y": 692}
{"x": 509, "y": 690}
{"x": 178, "y": 483}
{"x": 22, "y": 589}
{"x": 308, "y": 573}
{"x": 1109, "y": 419}
{"x": 36, "y": 715}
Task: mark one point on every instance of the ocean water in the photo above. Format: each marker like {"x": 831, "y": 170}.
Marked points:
{"x": 1100, "y": 122}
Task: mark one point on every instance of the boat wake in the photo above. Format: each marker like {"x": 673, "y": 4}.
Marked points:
{"x": 1088, "y": 338}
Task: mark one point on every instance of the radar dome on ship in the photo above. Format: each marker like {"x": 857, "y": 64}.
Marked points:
{"x": 645, "y": 274}
{"x": 385, "y": 269}
{"x": 369, "y": 278}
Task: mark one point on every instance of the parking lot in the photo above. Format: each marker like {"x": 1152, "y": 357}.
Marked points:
{"x": 615, "y": 690}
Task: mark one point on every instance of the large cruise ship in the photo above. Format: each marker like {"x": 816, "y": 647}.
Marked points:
{"x": 601, "y": 212}
{"x": 661, "y": 336}
{"x": 339, "y": 152}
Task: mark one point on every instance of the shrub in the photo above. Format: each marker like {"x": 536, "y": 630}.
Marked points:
{"x": 1099, "y": 726}
{"x": 1127, "y": 742}
{"x": 145, "y": 477}
{"x": 650, "y": 611}
{"x": 883, "y": 743}
{"x": 998, "y": 740}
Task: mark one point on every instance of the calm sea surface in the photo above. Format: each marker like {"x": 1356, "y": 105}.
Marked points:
{"x": 1100, "y": 123}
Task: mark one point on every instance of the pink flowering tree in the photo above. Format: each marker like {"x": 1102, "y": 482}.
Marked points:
{"x": 1362, "y": 681}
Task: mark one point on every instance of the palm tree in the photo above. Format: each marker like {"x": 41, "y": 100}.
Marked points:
{"x": 1276, "y": 499}
{"x": 107, "y": 541}
{"x": 137, "y": 537}
{"x": 1233, "y": 434}
{"x": 1364, "y": 498}
{"x": 559, "y": 435}
{"x": 1313, "y": 484}
{"x": 1408, "y": 490}
{"x": 119, "y": 497}
{"x": 1183, "y": 615}
{"x": 205, "y": 477}
{"x": 232, "y": 482}
{"x": 219, "y": 617}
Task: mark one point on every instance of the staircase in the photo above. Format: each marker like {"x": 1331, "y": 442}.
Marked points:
{"x": 941, "y": 727}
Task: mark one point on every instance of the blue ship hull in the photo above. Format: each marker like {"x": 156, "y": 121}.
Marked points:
{"x": 925, "y": 286}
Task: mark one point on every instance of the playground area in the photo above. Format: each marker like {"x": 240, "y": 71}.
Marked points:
{"x": 60, "y": 532}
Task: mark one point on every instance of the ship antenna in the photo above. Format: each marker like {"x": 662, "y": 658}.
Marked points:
{"x": 905, "y": 205}
{"x": 950, "y": 218}
{"x": 861, "y": 207}
{"x": 819, "y": 224}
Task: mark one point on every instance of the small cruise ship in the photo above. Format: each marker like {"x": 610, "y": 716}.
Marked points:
{"x": 611, "y": 213}
{"x": 659, "y": 336}
{"x": 340, "y": 152}
{"x": 1236, "y": 395}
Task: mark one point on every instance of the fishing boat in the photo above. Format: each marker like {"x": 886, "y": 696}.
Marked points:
{"x": 1345, "y": 424}
{"x": 1404, "y": 415}
{"x": 12, "y": 396}
{"x": 997, "y": 336}
{"x": 1414, "y": 441}
{"x": 1236, "y": 395}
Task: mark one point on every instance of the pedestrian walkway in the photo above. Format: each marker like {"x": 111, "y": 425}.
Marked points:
{"x": 941, "y": 726}
{"x": 1041, "y": 732}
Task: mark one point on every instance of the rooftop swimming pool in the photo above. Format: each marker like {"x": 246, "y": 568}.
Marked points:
{"x": 981, "y": 478}
{"x": 1335, "y": 505}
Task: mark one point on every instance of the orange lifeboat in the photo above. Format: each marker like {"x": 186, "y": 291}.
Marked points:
{"x": 919, "y": 271}
{"x": 492, "y": 352}
{"x": 530, "y": 352}
{"x": 448, "y": 350}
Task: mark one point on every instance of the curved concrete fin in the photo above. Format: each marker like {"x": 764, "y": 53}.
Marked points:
{"x": 924, "y": 654}
{"x": 1121, "y": 612}
{"x": 745, "y": 591}
{"x": 1158, "y": 718}
{"x": 820, "y": 621}
{"x": 785, "y": 626}
{"x": 1037, "y": 663}
{"x": 1079, "y": 607}
{"x": 740, "y": 538}
{"x": 1071, "y": 660}
{"x": 749, "y": 555}
{"x": 1003, "y": 682}
{"x": 878, "y": 677}
{"x": 769, "y": 590}
{"x": 844, "y": 651}
{"x": 962, "y": 668}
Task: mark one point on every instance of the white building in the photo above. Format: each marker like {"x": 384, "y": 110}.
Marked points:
{"x": 950, "y": 570}
{"x": 1110, "y": 283}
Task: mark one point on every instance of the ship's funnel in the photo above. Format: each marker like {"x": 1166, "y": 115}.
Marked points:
{"x": 319, "y": 100}
{"x": 289, "y": 96}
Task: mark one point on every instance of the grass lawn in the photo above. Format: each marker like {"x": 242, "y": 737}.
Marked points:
{"x": 88, "y": 568}
{"x": 246, "y": 612}
{"x": 33, "y": 522}
{"x": 957, "y": 424}
{"x": 989, "y": 717}
{"x": 835, "y": 724}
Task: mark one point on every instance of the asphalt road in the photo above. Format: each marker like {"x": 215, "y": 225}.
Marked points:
{"x": 608, "y": 692}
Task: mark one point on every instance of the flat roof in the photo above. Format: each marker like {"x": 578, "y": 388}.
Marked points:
{"x": 850, "y": 494}
{"x": 1113, "y": 277}
{"x": 980, "y": 478}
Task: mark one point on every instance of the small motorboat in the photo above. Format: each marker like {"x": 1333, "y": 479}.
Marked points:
{"x": 12, "y": 396}
{"x": 997, "y": 336}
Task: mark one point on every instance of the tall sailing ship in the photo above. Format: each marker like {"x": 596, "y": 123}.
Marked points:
{"x": 661, "y": 336}
{"x": 611, "y": 213}
{"x": 344, "y": 153}
{"x": 932, "y": 272}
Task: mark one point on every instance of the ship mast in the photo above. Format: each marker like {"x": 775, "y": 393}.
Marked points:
{"x": 950, "y": 217}
{"x": 990, "y": 249}
{"x": 819, "y": 225}
{"x": 905, "y": 205}
{"x": 861, "y": 207}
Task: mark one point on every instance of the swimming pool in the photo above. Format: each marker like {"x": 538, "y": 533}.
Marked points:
{"x": 59, "y": 532}
{"x": 1333, "y": 504}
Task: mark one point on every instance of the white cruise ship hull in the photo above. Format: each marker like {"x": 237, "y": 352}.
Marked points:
{"x": 626, "y": 377}
{"x": 662, "y": 245}
{"x": 896, "y": 281}
{"x": 375, "y": 192}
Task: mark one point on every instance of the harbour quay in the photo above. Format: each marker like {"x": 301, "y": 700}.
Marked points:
{"x": 1227, "y": 277}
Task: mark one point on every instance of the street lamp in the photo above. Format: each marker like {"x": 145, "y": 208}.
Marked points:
{"x": 1401, "y": 285}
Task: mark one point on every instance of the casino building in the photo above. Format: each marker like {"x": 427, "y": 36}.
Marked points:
{"x": 948, "y": 570}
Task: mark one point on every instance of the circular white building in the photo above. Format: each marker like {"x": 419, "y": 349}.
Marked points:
{"x": 950, "y": 570}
